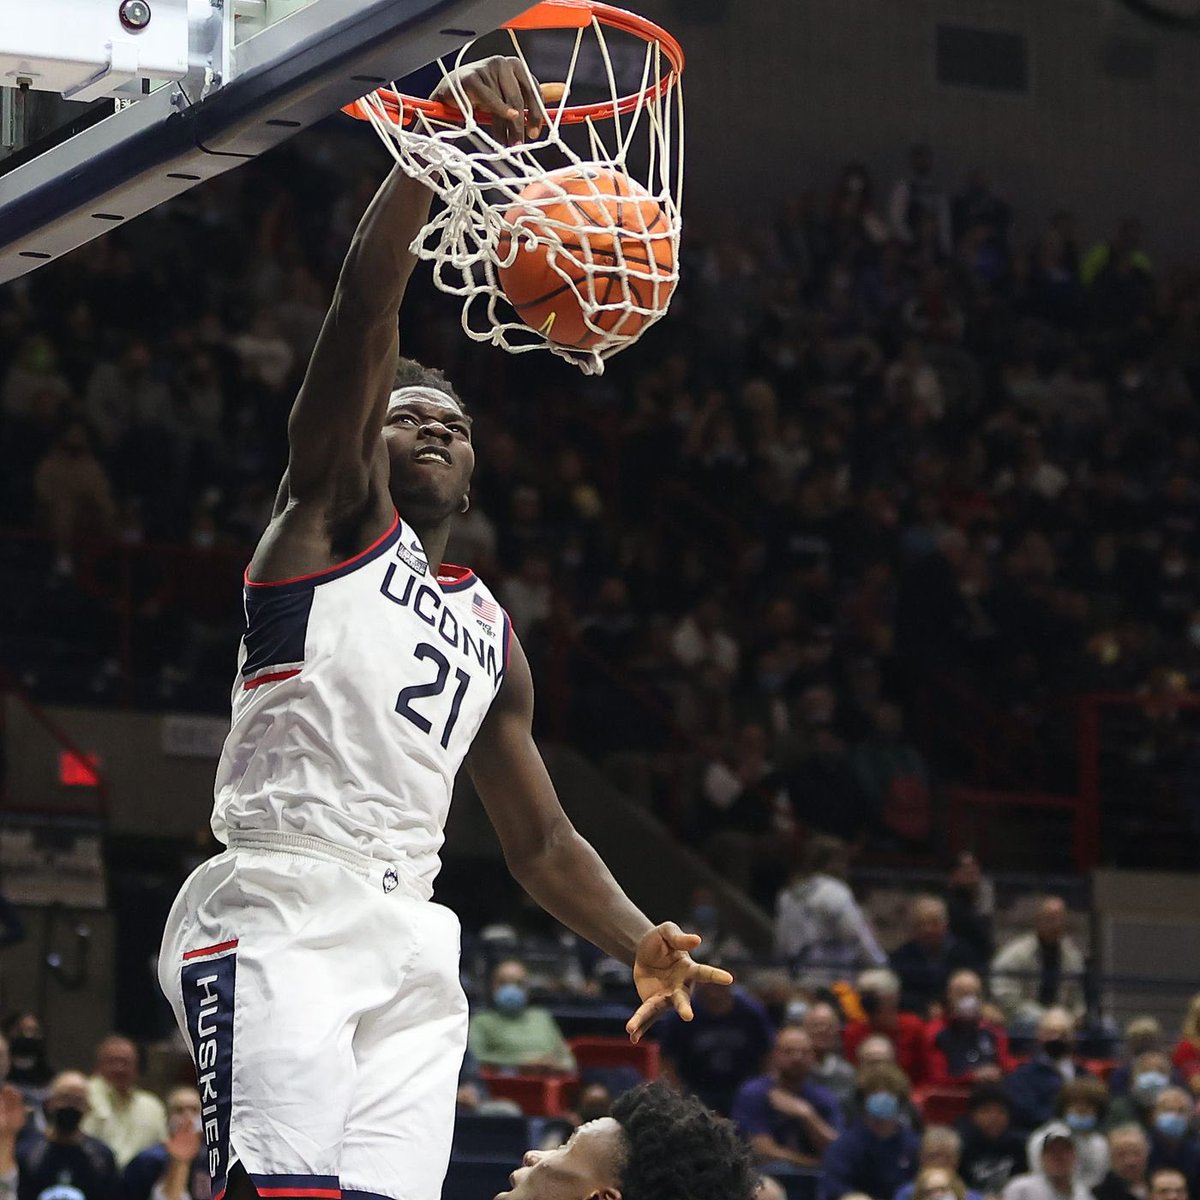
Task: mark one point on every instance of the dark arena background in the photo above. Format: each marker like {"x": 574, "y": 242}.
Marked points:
{"x": 862, "y": 599}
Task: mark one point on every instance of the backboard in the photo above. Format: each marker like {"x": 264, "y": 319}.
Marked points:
{"x": 244, "y": 76}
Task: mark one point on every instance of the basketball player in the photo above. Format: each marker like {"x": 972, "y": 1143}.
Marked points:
{"x": 657, "y": 1145}
{"x": 315, "y": 981}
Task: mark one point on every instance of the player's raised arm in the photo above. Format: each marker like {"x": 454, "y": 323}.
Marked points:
{"x": 333, "y": 431}
{"x": 559, "y": 868}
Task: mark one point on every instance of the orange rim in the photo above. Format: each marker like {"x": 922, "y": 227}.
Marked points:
{"x": 554, "y": 14}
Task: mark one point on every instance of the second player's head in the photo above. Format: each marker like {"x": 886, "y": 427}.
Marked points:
{"x": 657, "y": 1145}
{"x": 428, "y": 436}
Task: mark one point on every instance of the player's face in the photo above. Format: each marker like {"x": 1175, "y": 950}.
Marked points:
{"x": 586, "y": 1166}
{"x": 431, "y": 458}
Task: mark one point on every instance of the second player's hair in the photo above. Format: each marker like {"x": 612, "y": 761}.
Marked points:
{"x": 676, "y": 1149}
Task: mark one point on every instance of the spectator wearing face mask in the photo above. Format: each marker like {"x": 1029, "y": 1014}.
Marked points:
{"x": 962, "y": 1047}
{"x": 879, "y": 997}
{"x": 1129, "y": 1157}
{"x": 1081, "y": 1106}
{"x": 1142, "y": 1034}
{"x": 875, "y": 1050}
{"x": 993, "y": 1152}
{"x": 64, "y": 1163}
{"x": 1034, "y": 1086}
{"x": 877, "y": 1153}
{"x": 514, "y": 1033}
{"x": 1053, "y": 1177}
{"x": 1172, "y": 1142}
{"x": 175, "y": 1169}
{"x": 784, "y": 1115}
{"x": 1150, "y": 1075}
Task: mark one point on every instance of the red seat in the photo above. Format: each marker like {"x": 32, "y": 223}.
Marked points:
{"x": 535, "y": 1095}
{"x": 941, "y": 1105}
{"x": 1102, "y": 1068}
{"x": 616, "y": 1052}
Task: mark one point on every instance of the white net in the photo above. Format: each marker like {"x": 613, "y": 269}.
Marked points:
{"x": 591, "y": 208}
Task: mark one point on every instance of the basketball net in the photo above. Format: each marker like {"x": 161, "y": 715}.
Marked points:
{"x": 636, "y": 133}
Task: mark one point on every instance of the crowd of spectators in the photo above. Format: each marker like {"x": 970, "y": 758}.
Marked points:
{"x": 877, "y": 442}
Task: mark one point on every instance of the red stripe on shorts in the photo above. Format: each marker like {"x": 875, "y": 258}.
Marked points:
{"x": 318, "y": 1193}
{"x": 188, "y": 954}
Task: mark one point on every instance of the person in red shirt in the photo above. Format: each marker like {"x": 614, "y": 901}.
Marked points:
{"x": 879, "y": 995}
{"x": 1186, "y": 1056}
{"x": 962, "y": 1047}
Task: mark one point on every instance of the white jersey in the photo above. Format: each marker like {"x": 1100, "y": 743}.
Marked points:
{"x": 359, "y": 692}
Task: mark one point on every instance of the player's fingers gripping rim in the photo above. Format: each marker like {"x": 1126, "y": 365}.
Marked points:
{"x": 515, "y": 97}
{"x": 531, "y": 98}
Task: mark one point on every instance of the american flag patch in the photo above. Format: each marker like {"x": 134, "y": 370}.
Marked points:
{"x": 484, "y": 609}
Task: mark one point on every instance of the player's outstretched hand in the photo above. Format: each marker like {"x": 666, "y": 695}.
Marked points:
{"x": 504, "y": 88}
{"x": 665, "y": 973}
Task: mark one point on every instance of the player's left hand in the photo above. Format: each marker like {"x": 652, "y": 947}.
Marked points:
{"x": 504, "y": 88}
{"x": 665, "y": 973}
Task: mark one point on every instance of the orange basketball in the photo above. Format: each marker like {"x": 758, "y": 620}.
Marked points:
{"x": 606, "y": 261}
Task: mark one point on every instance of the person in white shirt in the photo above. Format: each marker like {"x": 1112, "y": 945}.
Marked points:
{"x": 819, "y": 926}
{"x": 122, "y": 1115}
{"x": 1054, "y": 1177}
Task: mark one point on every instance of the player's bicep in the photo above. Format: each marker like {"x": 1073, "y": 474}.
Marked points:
{"x": 335, "y": 422}
{"x": 508, "y": 772}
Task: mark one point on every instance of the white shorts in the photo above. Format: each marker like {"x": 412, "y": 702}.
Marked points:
{"x": 324, "y": 1011}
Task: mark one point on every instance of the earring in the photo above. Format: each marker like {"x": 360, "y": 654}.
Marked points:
{"x": 465, "y": 505}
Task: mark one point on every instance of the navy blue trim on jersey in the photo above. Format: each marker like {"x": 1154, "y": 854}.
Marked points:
{"x": 276, "y": 627}
{"x": 355, "y": 1194}
{"x": 381, "y": 545}
{"x": 507, "y": 634}
{"x": 209, "y": 987}
{"x": 464, "y": 581}
{"x": 287, "y": 1187}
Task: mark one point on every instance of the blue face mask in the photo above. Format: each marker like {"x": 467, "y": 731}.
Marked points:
{"x": 1171, "y": 1124}
{"x": 510, "y": 997}
{"x": 881, "y": 1106}
{"x": 1081, "y": 1122}
{"x": 1148, "y": 1084}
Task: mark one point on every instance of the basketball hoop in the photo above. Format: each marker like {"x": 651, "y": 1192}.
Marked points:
{"x": 632, "y": 126}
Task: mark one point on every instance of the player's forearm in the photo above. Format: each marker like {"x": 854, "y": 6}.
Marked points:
{"x": 379, "y": 262}
{"x": 570, "y": 881}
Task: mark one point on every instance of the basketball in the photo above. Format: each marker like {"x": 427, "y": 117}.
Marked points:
{"x": 614, "y": 236}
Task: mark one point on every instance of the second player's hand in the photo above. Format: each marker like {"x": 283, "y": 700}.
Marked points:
{"x": 665, "y": 973}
